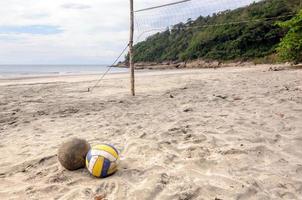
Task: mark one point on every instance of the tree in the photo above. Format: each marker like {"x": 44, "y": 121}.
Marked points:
{"x": 217, "y": 37}
{"x": 290, "y": 47}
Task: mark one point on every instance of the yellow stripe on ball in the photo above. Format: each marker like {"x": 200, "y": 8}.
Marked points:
{"x": 87, "y": 163}
{"x": 108, "y": 149}
{"x": 98, "y": 166}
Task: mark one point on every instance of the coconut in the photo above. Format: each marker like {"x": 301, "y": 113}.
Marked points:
{"x": 72, "y": 153}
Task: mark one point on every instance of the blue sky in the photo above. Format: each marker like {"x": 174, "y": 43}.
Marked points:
{"x": 31, "y": 29}
{"x": 83, "y": 32}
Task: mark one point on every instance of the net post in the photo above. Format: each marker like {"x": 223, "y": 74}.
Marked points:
{"x": 131, "y": 61}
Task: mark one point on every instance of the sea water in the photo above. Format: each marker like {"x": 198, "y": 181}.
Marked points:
{"x": 7, "y": 71}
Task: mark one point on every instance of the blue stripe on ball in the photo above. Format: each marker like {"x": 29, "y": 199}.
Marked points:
{"x": 89, "y": 156}
{"x": 106, "y": 166}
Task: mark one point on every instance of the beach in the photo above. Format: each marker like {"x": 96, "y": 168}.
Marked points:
{"x": 219, "y": 134}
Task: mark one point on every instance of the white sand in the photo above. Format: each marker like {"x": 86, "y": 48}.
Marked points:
{"x": 232, "y": 133}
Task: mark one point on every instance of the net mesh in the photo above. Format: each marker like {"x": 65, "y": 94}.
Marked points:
{"x": 149, "y": 22}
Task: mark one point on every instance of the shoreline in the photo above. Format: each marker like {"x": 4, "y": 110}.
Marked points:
{"x": 195, "y": 64}
{"x": 29, "y": 71}
{"x": 139, "y": 68}
{"x": 52, "y": 75}
{"x": 51, "y": 78}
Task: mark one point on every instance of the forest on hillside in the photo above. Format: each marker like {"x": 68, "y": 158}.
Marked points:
{"x": 245, "y": 33}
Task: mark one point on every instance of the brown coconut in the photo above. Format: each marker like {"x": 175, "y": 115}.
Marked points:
{"x": 72, "y": 154}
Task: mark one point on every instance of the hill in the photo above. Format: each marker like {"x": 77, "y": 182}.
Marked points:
{"x": 242, "y": 34}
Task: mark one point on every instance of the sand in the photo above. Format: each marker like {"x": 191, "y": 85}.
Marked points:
{"x": 230, "y": 133}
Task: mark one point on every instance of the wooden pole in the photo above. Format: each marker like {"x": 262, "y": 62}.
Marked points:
{"x": 131, "y": 61}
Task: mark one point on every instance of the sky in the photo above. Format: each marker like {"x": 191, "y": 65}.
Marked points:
{"x": 83, "y": 32}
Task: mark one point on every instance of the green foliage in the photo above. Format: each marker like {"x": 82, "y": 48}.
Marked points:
{"x": 218, "y": 37}
{"x": 290, "y": 47}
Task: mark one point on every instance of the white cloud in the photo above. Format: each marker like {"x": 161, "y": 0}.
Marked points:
{"x": 75, "y": 6}
{"x": 94, "y": 31}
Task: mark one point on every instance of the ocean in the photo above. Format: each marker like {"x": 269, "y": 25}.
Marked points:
{"x": 8, "y": 71}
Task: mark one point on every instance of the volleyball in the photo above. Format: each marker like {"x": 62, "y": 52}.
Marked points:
{"x": 102, "y": 160}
